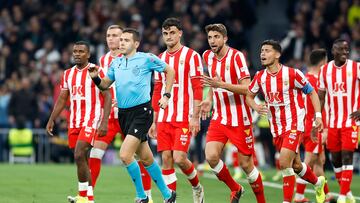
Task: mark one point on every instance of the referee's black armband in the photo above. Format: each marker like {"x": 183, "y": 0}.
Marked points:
{"x": 97, "y": 80}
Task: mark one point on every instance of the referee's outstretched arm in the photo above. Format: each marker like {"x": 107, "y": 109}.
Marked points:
{"x": 102, "y": 84}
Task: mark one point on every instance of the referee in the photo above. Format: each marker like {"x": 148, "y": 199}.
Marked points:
{"x": 132, "y": 76}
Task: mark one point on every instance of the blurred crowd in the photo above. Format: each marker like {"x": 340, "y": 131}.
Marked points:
{"x": 36, "y": 38}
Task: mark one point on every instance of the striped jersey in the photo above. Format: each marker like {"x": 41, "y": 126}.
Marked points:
{"x": 105, "y": 62}
{"x": 86, "y": 100}
{"x": 283, "y": 95}
{"x": 229, "y": 108}
{"x": 342, "y": 91}
{"x": 186, "y": 88}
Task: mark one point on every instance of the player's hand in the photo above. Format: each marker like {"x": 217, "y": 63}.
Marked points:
{"x": 355, "y": 115}
{"x": 152, "y": 131}
{"x": 319, "y": 124}
{"x": 93, "y": 71}
{"x": 194, "y": 125}
{"x": 163, "y": 102}
{"x": 314, "y": 135}
{"x": 261, "y": 109}
{"x": 215, "y": 82}
{"x": 50, "y": 127}
{"x": 205, "y": 109}
{"x": 103, "y": 128}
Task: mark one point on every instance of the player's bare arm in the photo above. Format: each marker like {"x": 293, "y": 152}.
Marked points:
{"x": 318, "y": 124}
{"x": 169, "y": 77}
{"x": 103, "y": 127}
{"x": 321, "y": 94}
{"x": 205, "y": 105}
{"x": 59, "y": 106}
{"x": 103, "y": 83}
{"x": 194, "y": 124}
{"x": 250, "y": 100}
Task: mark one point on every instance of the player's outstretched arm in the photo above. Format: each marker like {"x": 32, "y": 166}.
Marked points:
{"x": 103, "y": 83}
{"x": 103, "y": 127}
{"x": 59, "y": 106}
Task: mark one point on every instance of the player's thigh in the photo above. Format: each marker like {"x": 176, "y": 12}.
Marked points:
{"x": 242, "y": 138}
{"x": 165, "y": 138}
{"x": 73, "y": 134}
{"x": 333, "y": 142}
{"x": 349, "y": 138}
{"x": 182, "y": 137}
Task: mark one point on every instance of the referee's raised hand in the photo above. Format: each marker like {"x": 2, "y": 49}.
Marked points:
{"x": 93, "y": 71}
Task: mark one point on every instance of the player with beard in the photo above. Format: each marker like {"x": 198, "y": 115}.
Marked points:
{"x": 229, "y": 79}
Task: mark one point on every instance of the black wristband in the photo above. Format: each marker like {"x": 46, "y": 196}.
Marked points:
{"x": 96, "y": 80}
{"x": 168, "y": 95}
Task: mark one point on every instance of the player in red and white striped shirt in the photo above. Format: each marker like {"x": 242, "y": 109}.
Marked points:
{"x": 229, "y": 79}
{"x": 282, "y": 87}
{"x": 89, "y": 113}
{"x": 314, "y": 154}
{"x": 113, "y": 34}
{"x": 180, "y": 120}
{"x": 339, "y": 82}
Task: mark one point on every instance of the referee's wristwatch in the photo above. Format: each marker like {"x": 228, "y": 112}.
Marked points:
{"x": 168, "y": 95}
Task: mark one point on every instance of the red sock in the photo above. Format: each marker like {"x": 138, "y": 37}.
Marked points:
{"x": 83, "y": 187}
{"x": 338, "y": 174}
{"x": 145, "y": 177}
{"x": 170, "y": 178}
{"x": 308, "y": 175}
{"x": 224, "y": 175}
{"x": 94, "y": 166}
{"x": 192, "y": 176}
{"x": 235, "y": 158}
{"x": 346, "y": 178}
{"x": 300, "y": 188}
{"x": 258, "y": 189}
{"x": 288, "y": 187}
{"x": 326, "y": 188}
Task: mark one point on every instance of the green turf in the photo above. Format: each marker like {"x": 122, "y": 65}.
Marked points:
{"x": 52, "y": 183}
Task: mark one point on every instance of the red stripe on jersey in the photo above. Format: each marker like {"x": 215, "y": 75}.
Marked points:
{"x": 229, "y": 108}
{"x": 83, "y": 102}
{"x": 342, "y": 86}
{"x": 105, "y": 62}
{"x": 186, "y": 63}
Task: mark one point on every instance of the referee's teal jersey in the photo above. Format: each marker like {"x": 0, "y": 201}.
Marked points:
{"x": 132, "y": 78}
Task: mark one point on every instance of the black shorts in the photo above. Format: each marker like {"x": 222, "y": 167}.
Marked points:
{"x": 136, "y": 120}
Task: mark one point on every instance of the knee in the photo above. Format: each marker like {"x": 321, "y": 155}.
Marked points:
{"x": 180, "y": 160}
{"x": 347, "y": 159}
{"x": 297, "y": 166}
{"x": 212, "y": 159}
{"x": 125, "y": 158}
{"x": 246, "y": 164}
{"x": 283, "y": 164}
{"x": 79, "y": 155}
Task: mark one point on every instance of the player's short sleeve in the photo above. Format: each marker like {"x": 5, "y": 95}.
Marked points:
{"x": 241, "y": 68}
{"x": 63, "y": 84}
{"x": 254, "y": 86}
{"x": 111, "y": 70}
{"x": 196, "y": 66}
{"x": 321, "y": 81}
{"x": 155, "y": 63}
{"x": 300, "y": 79}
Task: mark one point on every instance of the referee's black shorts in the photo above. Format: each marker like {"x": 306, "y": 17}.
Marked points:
{"x": 136, "y": 121}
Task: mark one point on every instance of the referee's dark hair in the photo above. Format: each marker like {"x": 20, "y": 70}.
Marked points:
{"x": 87, "y": 45}
{"x": 275, "y": 44}
{"x": 316, "y": 56}
{"x": 134, "y": 32}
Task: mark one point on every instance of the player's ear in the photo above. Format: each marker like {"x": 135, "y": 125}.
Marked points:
{"x": 180, "y": 33}
{"x": 225, "y": 39}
